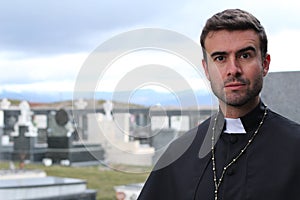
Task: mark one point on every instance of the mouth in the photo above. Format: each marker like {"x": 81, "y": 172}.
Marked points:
{"x": 235, "y": 86}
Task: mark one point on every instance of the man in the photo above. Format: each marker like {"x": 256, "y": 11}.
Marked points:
{"x": 245, "y": 151}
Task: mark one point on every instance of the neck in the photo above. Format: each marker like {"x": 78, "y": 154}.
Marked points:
{"x": 230, "y": 111}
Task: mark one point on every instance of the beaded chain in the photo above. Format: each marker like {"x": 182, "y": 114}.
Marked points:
{"x": 216, "y": 181}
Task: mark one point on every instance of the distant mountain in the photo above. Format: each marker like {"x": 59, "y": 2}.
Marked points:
{"x": 43, "y": 97}
{"x": 145, "y": 97}
{"x": 148, "y": 97}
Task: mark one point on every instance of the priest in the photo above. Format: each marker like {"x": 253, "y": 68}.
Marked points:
{"x": 245, "y": 150}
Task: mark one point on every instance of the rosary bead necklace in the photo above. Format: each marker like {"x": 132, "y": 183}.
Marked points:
{"x": 217, "y": 182}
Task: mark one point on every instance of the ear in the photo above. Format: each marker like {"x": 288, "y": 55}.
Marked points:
{"x": 205, "y": 67}
{"x": 266, "y": 64}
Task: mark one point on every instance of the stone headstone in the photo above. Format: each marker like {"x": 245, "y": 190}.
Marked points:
{"x": 5, "y": 104}
{"x": 26, "y": 113}
{"x": 80, "y": 104}
{"x": 281, "y": 93}
{"x": 159, "y": 122}
{"x": 180, "y": 123}
{"x": 108, "y": 106}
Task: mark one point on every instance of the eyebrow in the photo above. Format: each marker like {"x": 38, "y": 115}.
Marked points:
{"x": 249, "y": 48}
{"x": 218, "y": 53}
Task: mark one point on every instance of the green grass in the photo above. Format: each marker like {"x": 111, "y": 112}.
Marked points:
{"x": 99, "y": 178}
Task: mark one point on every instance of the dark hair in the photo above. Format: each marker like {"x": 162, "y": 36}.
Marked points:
{"x": 235, "y": 19}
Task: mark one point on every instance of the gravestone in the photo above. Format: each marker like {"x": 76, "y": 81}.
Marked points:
{"x": 281, "y": 93}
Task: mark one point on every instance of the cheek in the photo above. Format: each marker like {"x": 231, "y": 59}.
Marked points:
{"x": 216, "y": 81}
{"x": 216, "y": 75}
{"x": 254, "y": 76}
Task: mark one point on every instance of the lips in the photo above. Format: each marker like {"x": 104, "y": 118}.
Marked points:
{"x": 235, "y": 86}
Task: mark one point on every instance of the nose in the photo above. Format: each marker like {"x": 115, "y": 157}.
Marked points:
{"x": 233, "y": 67}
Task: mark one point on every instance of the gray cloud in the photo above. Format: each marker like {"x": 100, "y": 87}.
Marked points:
{"x": 49, "y": 26}
{"x": 54, "y": 27}
{"x": 36, "y": 35}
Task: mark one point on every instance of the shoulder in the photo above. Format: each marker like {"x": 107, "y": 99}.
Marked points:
{"x": 278, "y": 120}
{"x": 190, "y": 141}
{"x": 281, "y": 125}
{"x": 190, "y": 136}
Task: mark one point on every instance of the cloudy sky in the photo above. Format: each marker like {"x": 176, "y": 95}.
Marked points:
{"x": 43, "y": 44}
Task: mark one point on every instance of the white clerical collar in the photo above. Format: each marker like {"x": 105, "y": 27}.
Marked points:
{"x": 234, "y": 126}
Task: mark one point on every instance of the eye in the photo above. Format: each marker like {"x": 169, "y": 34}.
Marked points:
{"x": 245, "y": 55}
{"x": 219, "y": 58}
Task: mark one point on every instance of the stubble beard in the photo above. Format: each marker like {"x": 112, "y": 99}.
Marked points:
{"x": 237, "y": 98}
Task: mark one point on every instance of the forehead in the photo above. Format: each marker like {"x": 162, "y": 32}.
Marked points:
{"x": 225, "y": 40}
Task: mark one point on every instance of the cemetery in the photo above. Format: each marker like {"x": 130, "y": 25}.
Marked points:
{"x": 80, "y": 137}
{"x": 106, "y": 136}
{"x": 85, "y": 136}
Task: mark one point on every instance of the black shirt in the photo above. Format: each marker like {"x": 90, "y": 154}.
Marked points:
{"x": 269, "y": 169}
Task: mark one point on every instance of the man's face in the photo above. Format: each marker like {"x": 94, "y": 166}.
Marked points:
{"x": 234, "y": 66}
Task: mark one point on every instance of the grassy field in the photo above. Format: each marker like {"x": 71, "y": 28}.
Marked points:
{"x": 99, "y": 178}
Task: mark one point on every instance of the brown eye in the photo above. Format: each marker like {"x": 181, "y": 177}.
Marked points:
{"x": 219, "y": 58}
{"x": 245, "y": 55}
